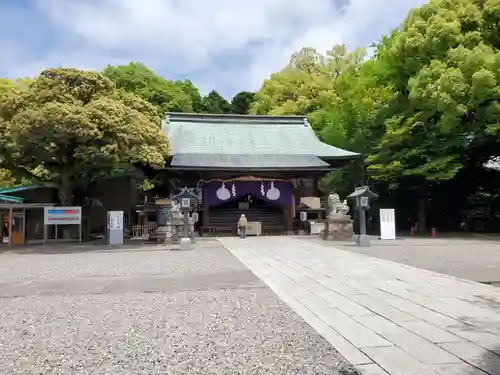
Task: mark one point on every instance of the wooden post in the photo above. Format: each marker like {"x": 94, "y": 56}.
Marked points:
{"x": 206, "y": 217}
{"x": 24, "y": 226}
{"x": 10, "y": 226}
{"x": 315, "y": 187}
{"x": 44, "y": 228}
{"x": 285, "y": 220}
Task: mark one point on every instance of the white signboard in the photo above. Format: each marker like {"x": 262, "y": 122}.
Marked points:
{"x": 387, "y": 224}
{"x": 115, "y": 220}
{"x": 63, "y": 216}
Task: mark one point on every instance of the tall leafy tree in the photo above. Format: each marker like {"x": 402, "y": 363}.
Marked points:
{"x": 194, "y": 94}
{"x": 307, "y": 85}
{"x": 70, "y": 126}
{"x": 241, "y": 102}
{"x": 356, "y": 123}
{"x": 177, "y": 96}
{"x": 444, "y": 67}
{"x": 215, "y": 103}
{"x": 6, "y": 85}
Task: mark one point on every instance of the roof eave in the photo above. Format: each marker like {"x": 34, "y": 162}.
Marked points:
{"x": 272, "y": 169}
{"x": 338, "y": 157}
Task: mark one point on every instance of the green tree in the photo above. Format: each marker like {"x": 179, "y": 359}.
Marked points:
{"x": 194, "y": 94}
{"x": 177, "y": 96}
{"x": 356, "y": 123}
{"x": 70, "y": 127}
{"x": 444, "y": 67}
{"x": 241, "y": 102}
{"x": 215, "y": 103}
{"x": 6, "y": 85}
{"x": 307, "y": 85}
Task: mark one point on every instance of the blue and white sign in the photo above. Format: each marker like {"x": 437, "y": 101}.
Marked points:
{"x": 63, "y": 216}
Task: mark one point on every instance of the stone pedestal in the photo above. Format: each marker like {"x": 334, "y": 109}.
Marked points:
{"x": 186, "y": 243}
{"x": 340, "y": 228}
{"x": 171, "y": 233}
{"x": 161, "y": 234}
{"x": 363, "y": 240}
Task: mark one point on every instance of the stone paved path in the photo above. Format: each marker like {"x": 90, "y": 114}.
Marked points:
{"x": 384, "y": 317}
{"x": 472, "y": 259}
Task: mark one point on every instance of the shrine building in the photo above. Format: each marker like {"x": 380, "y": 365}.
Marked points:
{"x": 266, "y": 167}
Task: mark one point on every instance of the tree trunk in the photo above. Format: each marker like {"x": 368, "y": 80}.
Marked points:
{"x": 65, "y": 193}
{"x": 422, "y": 214}
{"x": 65, "y": 196}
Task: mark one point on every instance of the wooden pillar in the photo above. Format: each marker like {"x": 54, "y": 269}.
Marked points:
{"x": 285, "y": 219}
{"x": 315, "y": 191}
{"x": 290, "y": 210}
{"x": 10, "y": 227}
{"x": 24, "y": 226}
{"x": 206, "y": 217}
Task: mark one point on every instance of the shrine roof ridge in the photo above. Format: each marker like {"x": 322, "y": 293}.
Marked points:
{"x": 234, "y": 118}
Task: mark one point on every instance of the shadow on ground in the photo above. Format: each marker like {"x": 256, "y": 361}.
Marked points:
{"x": 485, "y": 358}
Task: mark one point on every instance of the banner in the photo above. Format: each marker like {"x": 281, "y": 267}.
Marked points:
{"x": 275, "y": 192}
{"x": 63, "y": 216}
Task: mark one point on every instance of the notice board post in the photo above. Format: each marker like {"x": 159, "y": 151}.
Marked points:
{"x": 387, "y": 224}
{"x": 114, "y": 235}
{"x": 63, "y": 216}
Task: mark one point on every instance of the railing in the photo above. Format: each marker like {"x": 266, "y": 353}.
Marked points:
{"x": 143, "y": 231}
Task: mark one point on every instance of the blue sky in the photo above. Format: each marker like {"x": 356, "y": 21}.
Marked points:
{"x": 227, "y": 45}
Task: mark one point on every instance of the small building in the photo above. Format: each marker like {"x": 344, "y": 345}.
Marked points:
{"x": 260, "y": 166}
{"x": 22, "y": 212}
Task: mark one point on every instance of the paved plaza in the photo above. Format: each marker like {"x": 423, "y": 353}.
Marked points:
{"x": 469, "y": 258}
{"x": 267, "y": 305}
{"x": 384, "y": 317}
{"x": 147, "y": 310}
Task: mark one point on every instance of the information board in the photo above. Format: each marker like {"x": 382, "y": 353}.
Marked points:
{"x": 115, "y": 228}
{"x": 115, "y": 220}
{"x": 387, "y": 224}
{"x": 63, "y": 216}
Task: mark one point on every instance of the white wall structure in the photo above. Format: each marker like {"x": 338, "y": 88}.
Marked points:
{"x": 387, "y": 224}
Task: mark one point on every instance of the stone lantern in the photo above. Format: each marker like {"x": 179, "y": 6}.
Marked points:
{"x": 185, "y": 197}
{"x": 362, "y": 196}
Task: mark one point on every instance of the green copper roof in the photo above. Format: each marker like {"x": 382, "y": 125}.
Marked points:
{"x": 19, "y": 188}
{"x": 8, "y": 198}
{"x": 246, "y": 135}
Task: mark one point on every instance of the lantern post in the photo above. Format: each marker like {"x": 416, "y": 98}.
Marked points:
{"x": 362, "y": 196}
{"x": 185, "y": 197}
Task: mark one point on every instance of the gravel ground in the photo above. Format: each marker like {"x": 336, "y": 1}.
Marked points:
{"x": 472, "y": 259}
{"x": 130, "y": 262}
{"x": 155, "y": 312}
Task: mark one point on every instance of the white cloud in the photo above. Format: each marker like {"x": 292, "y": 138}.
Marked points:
{"x": 223, "y": 44}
